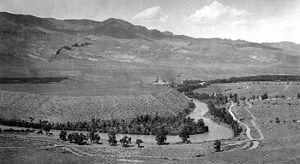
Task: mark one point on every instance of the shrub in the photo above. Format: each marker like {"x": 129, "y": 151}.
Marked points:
{"x": 217, "y": 146}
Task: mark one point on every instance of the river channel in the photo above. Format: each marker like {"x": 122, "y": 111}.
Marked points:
{"x": 216, "y": 131}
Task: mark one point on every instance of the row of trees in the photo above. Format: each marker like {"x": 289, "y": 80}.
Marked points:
{"x": 44, "y": 125}
{"x": 189, "y": 85}
{"x": 216, "y": 98}
{"x": 81, "y": 139}
{"x": 16, "y": 80}
{"x": 10, "y": 130}
{"x": 257, "y": 78}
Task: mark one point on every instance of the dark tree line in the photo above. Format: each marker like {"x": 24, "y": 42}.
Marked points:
{"x": 45, "y": 125}
{"x": 144, "y": 124}
{"x": 189, "y": 85}
{"x": 257, "y": 78}
{"x": 34, "y": 80}
{"x": 224, "y": 116}
{"x": 10, "y": 130}
{"x": 216, "y": 98}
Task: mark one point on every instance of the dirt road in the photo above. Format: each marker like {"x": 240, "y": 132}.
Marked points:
{"x": 248, "y": 130}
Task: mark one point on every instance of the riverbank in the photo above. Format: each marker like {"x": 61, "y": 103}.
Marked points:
{"x": 216, "y": 131}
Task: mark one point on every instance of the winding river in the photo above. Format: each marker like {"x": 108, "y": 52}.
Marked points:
{"x": 216, "y": 131}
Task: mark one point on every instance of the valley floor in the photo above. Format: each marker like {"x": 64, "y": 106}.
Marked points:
{"x": 278, "y": 142}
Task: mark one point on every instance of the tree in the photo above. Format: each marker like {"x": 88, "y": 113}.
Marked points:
{"x": 230, "y": 95}
{"x": 112, "y": 139}
{"x": 75, "y": 45}
{"x": 124, "y": 141}
{"x": 63, "y": 135}
{"x": 46, "y": 127}
{"x": 235, "y": 97}
{"x": 81, "y": 140}
{"x": 217, "y": 146}
{"x": 184, "y": 134}
{"x": 40, "y": 132}
{"x": 129, "y": 140}
{"x": 161, "y": 136}
{"x": 277, "y": 120}
{"x": 73, "y": 137}
{"x": 138, "y": 142}
{"x": 243, "y": 98}
{"x": 264, "y": 96}
{"x": 95, "y": 138}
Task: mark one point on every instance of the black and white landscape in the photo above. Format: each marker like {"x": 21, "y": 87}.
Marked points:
{"x": 112, "y": 91}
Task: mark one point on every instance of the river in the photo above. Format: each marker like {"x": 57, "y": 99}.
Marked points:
{"x": 216, "y": 131}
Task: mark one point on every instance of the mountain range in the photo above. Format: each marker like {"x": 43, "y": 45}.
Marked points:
{"x": 37, "y": 44}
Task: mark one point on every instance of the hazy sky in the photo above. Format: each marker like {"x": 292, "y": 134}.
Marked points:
{"x": 253, "y": 20}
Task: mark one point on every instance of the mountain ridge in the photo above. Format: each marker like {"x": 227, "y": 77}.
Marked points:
{"x": 29, "y": 39}
{"x": 98, "y": 24}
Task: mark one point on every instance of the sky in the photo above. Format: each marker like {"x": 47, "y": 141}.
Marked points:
{"x": 252, "y": 20}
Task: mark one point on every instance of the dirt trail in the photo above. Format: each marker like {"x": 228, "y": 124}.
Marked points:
{"x": 254, "y": 123}
{"x": 248, "y": 130}
{"x": 71, "y": 151}
{"x": 71, "y": 148}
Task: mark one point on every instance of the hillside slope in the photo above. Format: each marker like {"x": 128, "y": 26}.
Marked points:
{"x": 16, "y": 105}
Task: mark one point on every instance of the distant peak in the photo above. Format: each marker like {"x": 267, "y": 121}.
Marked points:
{"x": 168, "y": 33}
{"x": 114, "y": 20}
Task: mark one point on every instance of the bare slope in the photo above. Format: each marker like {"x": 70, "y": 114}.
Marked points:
{"x": 84, "y": 108}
